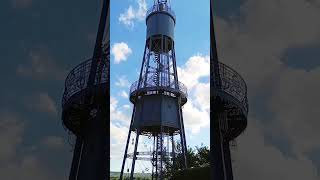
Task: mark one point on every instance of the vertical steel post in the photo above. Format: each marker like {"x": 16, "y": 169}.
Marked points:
{"x": 127, "y": 144}
{"x": 98, "y": 45}
{"x": 148, "y": 59}
{"x": 76, "y": 158}
{"x": 184, "y": 137}
{"x": 173, "y": 152}
{"x": 216, "y": 160}
{"x": 153, "y": 153}
{"x": 135, "y": 154}
{"x": 157, "y": 157}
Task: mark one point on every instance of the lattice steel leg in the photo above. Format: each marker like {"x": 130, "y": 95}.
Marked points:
{"x": 134, "y": 154}
{"x": 127, "y": 145}
{"x": 157, "y": 157}
{"x": 153, "y": 153}
{"x": 161, "y": 154}
{"x": 173, "y": 152}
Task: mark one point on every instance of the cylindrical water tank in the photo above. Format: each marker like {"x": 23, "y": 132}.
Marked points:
{"x": 160, "y": 23}
{"x": 156, "y": 110}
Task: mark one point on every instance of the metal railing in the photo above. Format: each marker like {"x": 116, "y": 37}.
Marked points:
{"x": 161, "y": 7}
{"x": 182, "y": 88}
{"x": 233, "y": 84}
{"x": 77, "y": 79}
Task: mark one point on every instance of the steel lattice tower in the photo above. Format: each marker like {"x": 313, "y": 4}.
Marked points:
{"x": 229, "y": 110}
{"x": 84, "y": 108}
{"x": 158, "y": 96}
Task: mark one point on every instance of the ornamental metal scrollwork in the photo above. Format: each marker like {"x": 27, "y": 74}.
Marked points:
{"x": 150, "y": 84}
{"x": 233, "y": 84}
{"x": 77, "y": 79}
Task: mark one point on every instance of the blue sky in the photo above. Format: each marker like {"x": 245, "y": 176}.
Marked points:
{"x": 128, "y": 41}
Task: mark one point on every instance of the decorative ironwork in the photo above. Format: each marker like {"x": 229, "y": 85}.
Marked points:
{"x": 233, "y": 84}
{"x": 77, "y": 79}
{"x": 182, "y": 89}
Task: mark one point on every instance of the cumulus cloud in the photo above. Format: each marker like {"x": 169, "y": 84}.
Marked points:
{"x": 41, "y": 66}
{"x": 11, "y": 131}
{"x": 21, "y": 3}
{"x": 29, "y": 167}
{"x": 43, "y": 102}
{"x": 53, "y": 142}
{"x": 13, "y": 163}
{"x": 284, "y": 98}
{"x": 124, "y": 94}
{"x": 119, "y": 127}
{"x": 195, "y": 117}
{"x": 131, "y": 15}
{"x": 296, "y": 107}
{"x": 119, "y": 134}
{"x": 254, "y": 159}
{"x": 251, "y": 45}
{"x": 126, "y": 106}
{"x": 120, "y": 51}
{"x": 196, "y": 110}
{"x": 202, "y": 95}
{"x": 116, "y": 114}
{"x": 196, "y": 67}
{"x": 122, "y": 82}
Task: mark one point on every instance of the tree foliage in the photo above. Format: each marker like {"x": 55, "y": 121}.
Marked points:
{"x": 196, "y": 158}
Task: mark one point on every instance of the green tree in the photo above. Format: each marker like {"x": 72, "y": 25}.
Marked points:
{"x": 196, "y": 158}
{"x": 203, "y": 153}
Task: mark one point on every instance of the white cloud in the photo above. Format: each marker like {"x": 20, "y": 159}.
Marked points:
{"x": 126, "y": 106}
{"x": 266, "y": 30}
{"x": 254, "y": 159}
{"x": 120, "y": 51}
{"x": 196, "y": 110}
{"x": 119, "y": 134}
{"x": 28, "y": 167}
{"x": 44, "y": 103}
{"x": 118, "y": 131}
{"x": 11, "y": 131}
{"x": 122, "y": 82}
{"x": 202, "y": 95}
{"x": 15, "y": 160}
{"x": 195, "y": 117}
{"x": 116, "y": 114}
{"x": 255, "y": 47}
{"x": 131, "y": 15}
{"x": 195, "y": 68}
{"x": 21, "y": 3}
{"x": 41, "y": 66}
{"x": 53, "y": 142}
{"x": 127, "y": 17}
{"x": 294, "y": 103}
{"x": 124, "y": 94}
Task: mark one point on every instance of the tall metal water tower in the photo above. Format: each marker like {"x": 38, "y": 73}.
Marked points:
{"x": 229, "y": 110}
{"x": 85, "y": 108}
{"x": 158, "y": 95}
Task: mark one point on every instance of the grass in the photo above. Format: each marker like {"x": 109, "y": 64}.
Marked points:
{"x": 138, "y": 176}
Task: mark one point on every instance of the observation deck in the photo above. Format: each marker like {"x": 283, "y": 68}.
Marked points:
{"x": 233, "y": 95}
{"x": 74, "y": 109}
{"x": 150, "y": 88}
{"x": 161, "y": 8}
